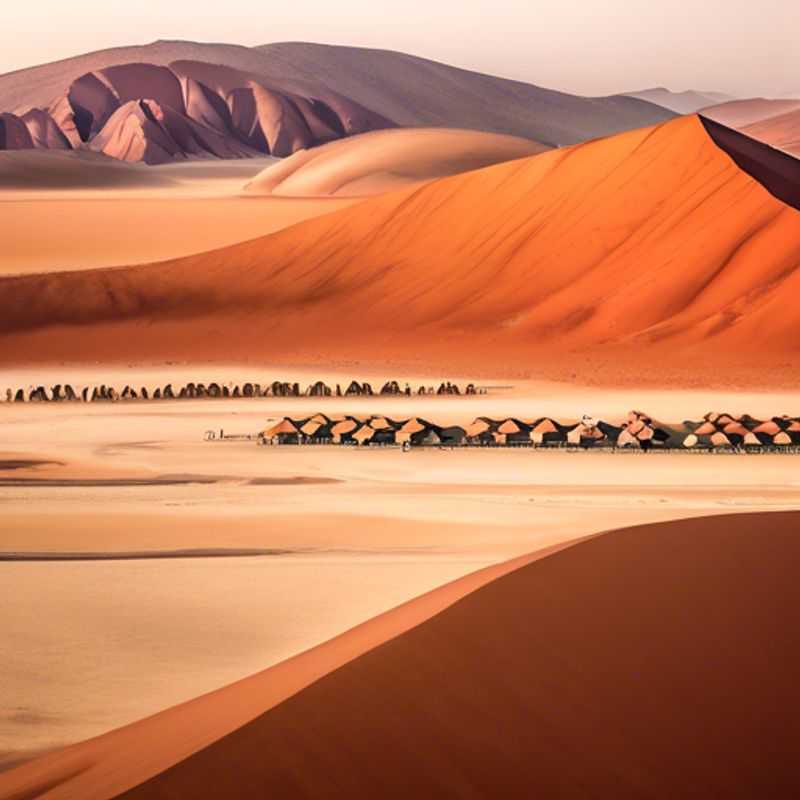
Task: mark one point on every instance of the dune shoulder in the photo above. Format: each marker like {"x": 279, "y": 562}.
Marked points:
{"x": 379, "y": 161}
{"x": 641, "y": 662}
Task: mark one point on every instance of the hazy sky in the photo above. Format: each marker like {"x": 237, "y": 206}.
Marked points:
{"x": 742, "y": 47}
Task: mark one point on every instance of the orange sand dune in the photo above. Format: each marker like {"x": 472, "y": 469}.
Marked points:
{"x": 782, "y": 131}
{"x": 647, "y": 662}
{"x": 652, "y": 237}
{"x": 382, "y": 160}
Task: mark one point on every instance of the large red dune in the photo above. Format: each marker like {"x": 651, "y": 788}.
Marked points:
{"x": 382, "y": 160}
{"x": 658, "y": 661}
{"x": 651, "y": 243}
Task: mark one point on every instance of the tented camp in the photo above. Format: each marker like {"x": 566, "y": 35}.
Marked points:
{"x": 714, "y": 432}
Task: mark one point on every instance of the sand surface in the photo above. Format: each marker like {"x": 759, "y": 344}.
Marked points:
{"x": 67, "y": 211}
{"x": 782, "y": 131}
{"x": 391, "y": 706}
{"x": 590, "y": 672}
{"x": 383, "y": 160}
{"x": 342, "y": 534}
{"x": 683, "y": 259}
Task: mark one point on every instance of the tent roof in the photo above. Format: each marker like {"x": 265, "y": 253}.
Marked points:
{"x": 345, "y": 426}
{"x": 509, "y": 426}
{"x": 364, "y": 433}
{"x": 478, "y": 427}
{"x": 545, "y": 426}
{"x": 379, "y": 423}
{"x": 415, "y": 425}
{"x": 284, "y": 426}
{"x": 311, "y": 427}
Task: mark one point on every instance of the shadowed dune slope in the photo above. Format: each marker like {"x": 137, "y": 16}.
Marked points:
{"x": 382, "y": 160}
{"x": 644, "y": 663}
{"x": 776, "y": 171}
{"x": 782, "y": 131}
{"x": 650, "y": 237}
{"x": 658, "y": 661}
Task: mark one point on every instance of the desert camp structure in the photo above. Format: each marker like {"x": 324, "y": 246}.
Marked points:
{"x": 638, "y": 431}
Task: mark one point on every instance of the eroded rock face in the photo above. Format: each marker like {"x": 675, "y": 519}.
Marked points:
{"x": 14, "y": 133}
{"x": 136, "y": 81}
{"x": 144, "y": 130}
{"x": 144, "y": 112}
{"x": 136, "y": 132}
{"x": 44, "y": 130}
{"x": 92, "y": 103}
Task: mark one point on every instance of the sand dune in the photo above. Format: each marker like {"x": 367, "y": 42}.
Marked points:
{"x": 383, "y": 160}
{"x": 652, "y": 241}
{"x": 776, "y": 171}
{"x": 408, "y": 91}
{"x": 782, "y": 131}
{"x": 534, "y": 677}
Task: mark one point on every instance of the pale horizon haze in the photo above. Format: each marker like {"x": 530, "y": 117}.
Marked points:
{"x": 590, "y": 47}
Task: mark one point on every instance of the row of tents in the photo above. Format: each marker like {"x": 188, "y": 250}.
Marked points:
{"x": 636, "y": 431}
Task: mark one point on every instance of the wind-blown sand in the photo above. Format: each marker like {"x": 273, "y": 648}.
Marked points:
{"x": 383, "y": 160}
{"x": 681, "y": 256}
{"x": 644, "y": 662}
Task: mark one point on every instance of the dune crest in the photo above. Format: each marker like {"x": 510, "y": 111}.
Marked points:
{"x": 101, "y": 768}
{"x": 383, "y": 160}
{"x": 649, "y": 238}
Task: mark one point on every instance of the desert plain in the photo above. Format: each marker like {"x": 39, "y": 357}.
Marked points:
{"x": 180, "y": 599}
{"x": 130, "y": 543}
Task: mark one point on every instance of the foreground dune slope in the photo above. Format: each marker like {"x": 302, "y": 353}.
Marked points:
{"x": 108, "y": 765}
{"x": 652, "y": 236}
{"x": 382, "y": 160}
{"x": 647, "y": 662}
